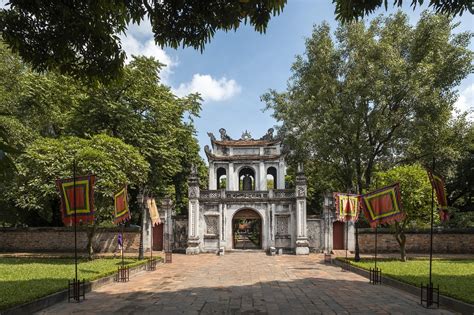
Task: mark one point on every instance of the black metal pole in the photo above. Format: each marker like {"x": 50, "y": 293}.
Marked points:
{"x": 376, "y": 247}
{"x": 75, "y": 216}
{"x": 123, "y": 242}
{"x": 357, "y": 254}
{"x": 431, "y": 227}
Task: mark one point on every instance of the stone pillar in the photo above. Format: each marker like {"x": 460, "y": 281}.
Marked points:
{"x": 302, "y": 245}
{"x": 168, "y": 240}
{"x": 273, "y": 223}
{"x": 351, "y": 236}
{"x": 193, "y": 214}
{"x": 281, "y": 176}
{"x": 230, "y": 178}
{"x": 224, "y": 226}
{"x": 212, "y": 177}
{"x": 328, "y": 219}
{"x": 263, "y": 176}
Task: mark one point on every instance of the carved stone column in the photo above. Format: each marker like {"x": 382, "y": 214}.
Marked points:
{"x": 302, "y": 245}
{"x": 281, "y": 175}
{"x": 262, "y": 177}
{"x": 212, "y": 177}
{"x": 168, "y": 241}
{"x": 230, "y": 178}
{"x": 193, "y": 214}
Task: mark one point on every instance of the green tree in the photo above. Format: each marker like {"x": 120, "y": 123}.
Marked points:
{"x": 144, "y": 113}
{"x": 347, "y": 10}
{"x": 82, "y": 36}
{"x": 113, "y": 162}
{"x": 362, "y": 99}
{"x": 135, "y": 108}
{"x": 372, "y": 97}
{"x": 415, "y": 190}
{"x": 82, "y": 40}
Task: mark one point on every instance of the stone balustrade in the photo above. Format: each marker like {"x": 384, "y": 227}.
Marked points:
{"x": 247, "y": 195}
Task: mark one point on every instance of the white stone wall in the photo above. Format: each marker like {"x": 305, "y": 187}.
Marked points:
{"x": 220, "y": 216}
{"x": 315, "y": 234}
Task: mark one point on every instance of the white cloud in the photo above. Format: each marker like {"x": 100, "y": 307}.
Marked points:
{"x": 209, "y": 88}
{"x": 465, "y": 102}
{"x": 139, "y": 42}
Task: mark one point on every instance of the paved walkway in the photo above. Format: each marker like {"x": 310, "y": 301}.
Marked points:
{"x": 246, "y": 283}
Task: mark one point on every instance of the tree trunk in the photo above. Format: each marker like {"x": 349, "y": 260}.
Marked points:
{"x": 401, "y": 240}
{"x": 90, "y": 236}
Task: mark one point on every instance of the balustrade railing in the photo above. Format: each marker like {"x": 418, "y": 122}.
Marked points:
{"x": 248, "y": 194}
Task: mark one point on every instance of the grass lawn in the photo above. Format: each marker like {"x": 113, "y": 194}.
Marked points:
{"x": 455, "y": 277}
{"x": 25, "y": 279}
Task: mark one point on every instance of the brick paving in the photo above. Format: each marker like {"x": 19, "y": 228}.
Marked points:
{"x": 245, "y": 283}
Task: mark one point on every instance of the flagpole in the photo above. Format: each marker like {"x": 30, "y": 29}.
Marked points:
{"x": 431, "y": 227}
{"x": 123, "y": 243}
{"x": 75, "y": 216}
{"x": 376, "y": 246}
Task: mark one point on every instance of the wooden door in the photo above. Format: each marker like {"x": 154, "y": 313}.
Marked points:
{"x": 158, "y": 237}
{"x": 338, "y": 235}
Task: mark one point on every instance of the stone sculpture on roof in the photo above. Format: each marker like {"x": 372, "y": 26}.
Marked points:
{"x": 224, "y": 136}
{"x": 246, "y": 136}
{"x": 268, "y": 135}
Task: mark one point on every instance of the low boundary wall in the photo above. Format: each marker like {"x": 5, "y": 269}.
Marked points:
{"x": 61, "y": 239}
{"x": 444, "y": 242}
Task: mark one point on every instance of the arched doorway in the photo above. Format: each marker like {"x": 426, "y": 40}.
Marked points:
{"x": 247, "y": 230}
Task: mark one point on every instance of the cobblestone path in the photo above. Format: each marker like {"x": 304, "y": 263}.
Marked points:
{"x": 245, "y": 283}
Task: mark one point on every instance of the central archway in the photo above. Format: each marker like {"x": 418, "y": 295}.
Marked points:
{"x": 247, "y": 229}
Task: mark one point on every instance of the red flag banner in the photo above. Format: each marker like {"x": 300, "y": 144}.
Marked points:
{"x": 122, "y": 212}
{"x": 383, "y": 205}
{"x": 347, "y": 206}
{"x": 437, "y": 183}
{"x": 83, "y": 204}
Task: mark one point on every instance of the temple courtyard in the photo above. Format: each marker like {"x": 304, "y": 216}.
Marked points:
{"x": 249, "y": 283}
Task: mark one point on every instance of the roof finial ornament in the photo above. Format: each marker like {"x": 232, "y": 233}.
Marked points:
{"x": 211, "y": 135}
{"x": 246, "y": 136}
{"x": 224, "y": 135}
{"x": 268, "y": 135}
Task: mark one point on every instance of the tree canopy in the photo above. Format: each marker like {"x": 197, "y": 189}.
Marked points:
{"x": 348, "y": 10}
{"x": 373, "y": 97}
{"x": 47, "y": 118}
{"x": 415, "y": 191}
{"x": 80, "y": 38}
{"x": 112, "y": 161}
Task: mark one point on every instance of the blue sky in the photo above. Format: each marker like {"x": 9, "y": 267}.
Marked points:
{"x": 236, "y": 68}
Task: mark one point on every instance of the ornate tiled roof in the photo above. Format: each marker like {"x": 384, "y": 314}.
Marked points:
{"x": 245, "y": 140}
{"x": 245, "y": 143}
